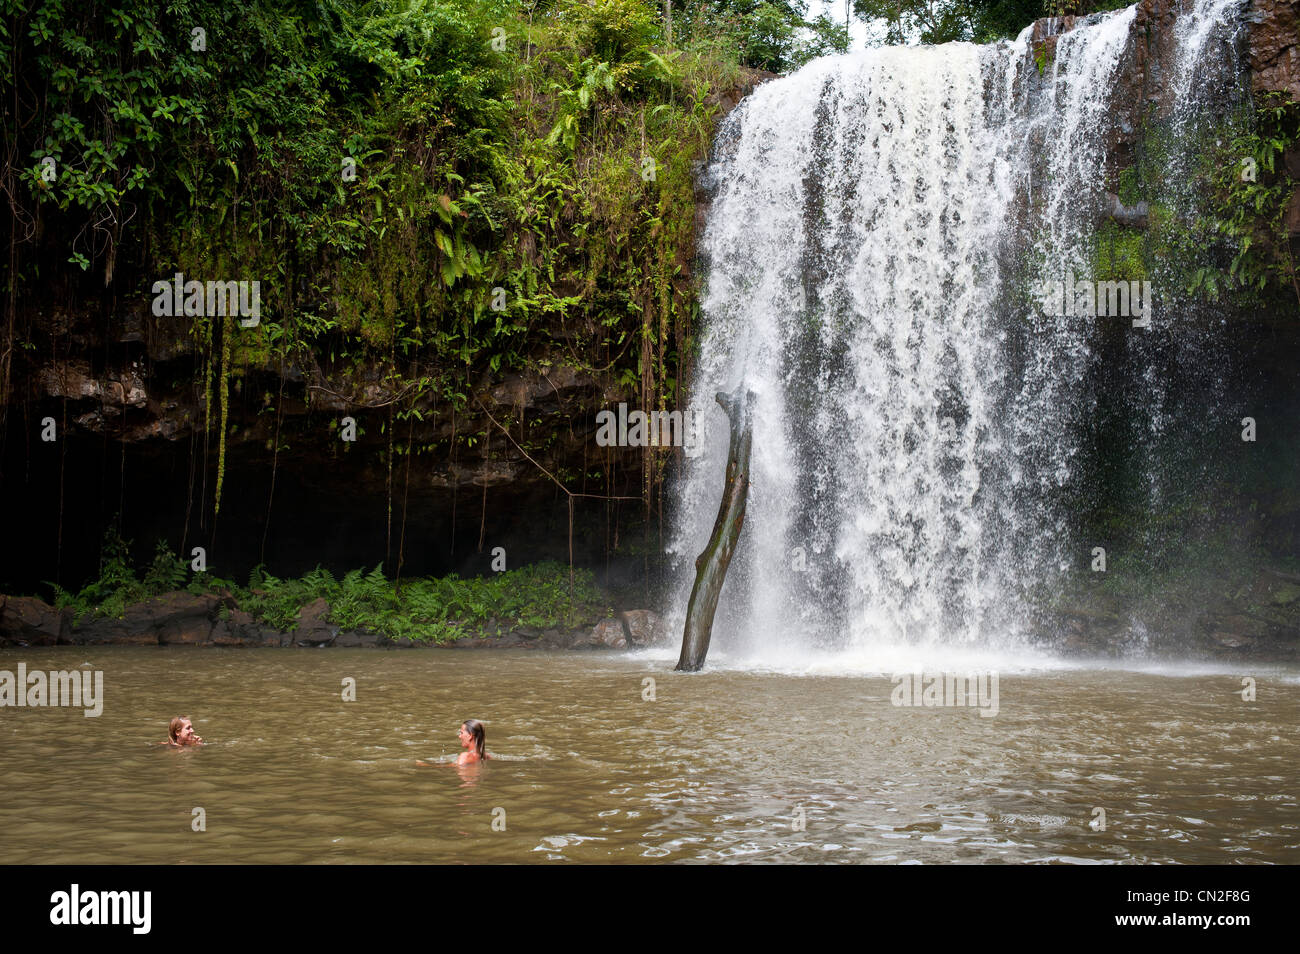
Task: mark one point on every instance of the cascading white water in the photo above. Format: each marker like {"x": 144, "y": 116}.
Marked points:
{"x": 1203, "y": 75}
{"x": 1052, "y": 142}
{"x": 1207, "y": 22}
{"x": 917, "y": 415}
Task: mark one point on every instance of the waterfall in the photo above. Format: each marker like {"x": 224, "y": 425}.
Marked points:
{"x": 880, "y": 224}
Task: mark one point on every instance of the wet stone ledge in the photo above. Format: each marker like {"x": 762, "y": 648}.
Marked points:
{"x": 185, "y": 619}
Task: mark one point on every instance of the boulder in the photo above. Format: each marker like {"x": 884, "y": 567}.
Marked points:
{"x": 106, "y": 630}
{"x": 241, "y": 629}
{"x": 563, "y": 638}
{"x": 644, "y": 628}
{"x": 1233, "y": 640}
{"x": 178, "y": 618}
{"x": 312, "y": 629}
{"x": 27, "y": 621}
{"x": 223, "y": 635}
{"x": 1285, "y": 594}
{"x": 1134, "y": 216}
{"x": 353, "y": 639}
{"x": 607, "y": 634}
{"x": 1236, "y": 631}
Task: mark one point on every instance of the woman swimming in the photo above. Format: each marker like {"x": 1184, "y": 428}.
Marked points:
{"x": 472, "y": 737}
{"x": 181, "y": 732}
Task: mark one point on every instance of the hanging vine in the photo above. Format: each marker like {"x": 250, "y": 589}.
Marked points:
{"x": 226, "y": 332}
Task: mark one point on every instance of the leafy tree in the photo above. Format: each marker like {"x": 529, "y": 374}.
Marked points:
{"x": 943, "y": 21}
{"x": 932, "y": 21}
{"x": 765, "y": 33}
{"x": 826, "y": 36}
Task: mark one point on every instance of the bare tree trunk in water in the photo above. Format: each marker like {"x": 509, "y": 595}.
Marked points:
{"x": 711, "y": 565}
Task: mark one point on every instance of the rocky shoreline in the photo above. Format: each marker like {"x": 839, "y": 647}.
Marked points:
{"x": 1253, "y": 614}
{"x": 1254, "y": 617}
{"x": 213, "y": 619}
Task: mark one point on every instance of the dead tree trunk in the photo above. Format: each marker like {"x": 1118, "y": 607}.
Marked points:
{"x": 711, "y": 565}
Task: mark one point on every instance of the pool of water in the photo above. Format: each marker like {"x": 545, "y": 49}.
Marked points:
{"x": 615, "y": 758}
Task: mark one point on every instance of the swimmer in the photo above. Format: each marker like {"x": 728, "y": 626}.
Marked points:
{"x": 472, "y": 737}
{"x": 181, "y": 733}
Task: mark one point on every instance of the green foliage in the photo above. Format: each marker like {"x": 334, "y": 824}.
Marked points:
{"x": 539, "y": 595}
{"x": 762, "y": 34}
{"x": 615, "y": 31}
{"x": 383, "y": 170}
{"x": 1217, "y": 192}
{"x": 117, "y": 585}
{"x": 443, "y": 189}
{"x": 1118, "y": 254}
{"x": 925, "y": 20}
{"x": 430, "y": 609}
{"x": 768, "y": 38}
{"x": 166, "y": 573}
{"x": 827, "y": 36}
{"x": 1252, "y": 189}
{"x": 982, "y": 21}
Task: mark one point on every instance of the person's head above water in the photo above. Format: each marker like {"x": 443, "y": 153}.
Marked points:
{"x": 472, "y": 737}
{"x": 181, "y": 732}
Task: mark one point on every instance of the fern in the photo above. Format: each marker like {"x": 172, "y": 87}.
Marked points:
{"x": 167, "y": 573}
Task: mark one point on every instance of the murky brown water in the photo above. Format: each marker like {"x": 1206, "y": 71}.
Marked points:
{"x": 720, "y": 766}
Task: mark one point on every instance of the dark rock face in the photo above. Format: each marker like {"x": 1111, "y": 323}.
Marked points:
{"x": 135, "y": 436}
{"x": 26, "y": 621}
{"x": 1275, "y": 45}
{"x": 1275, "y": 65}
{"x": 312, "y": 629}
{"x": 174, "y": 619}
{"x": 242, "y": 630}
{"x": 1256, "y": 616}
{"x": 179, "y": 618}
{"x": 1271, "y": 49}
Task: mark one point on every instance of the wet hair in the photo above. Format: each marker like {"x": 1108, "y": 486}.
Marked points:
{"x": 476, "y": 730}
{"x": 174, "y": 728}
